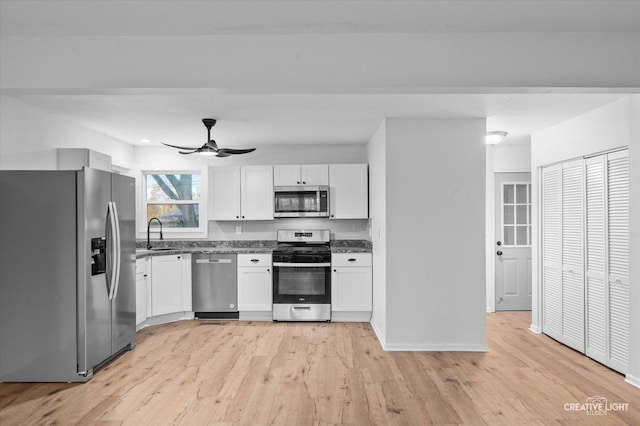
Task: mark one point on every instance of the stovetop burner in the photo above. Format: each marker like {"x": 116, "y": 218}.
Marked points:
{"x": 306, "y": 248}
{"x": 301, "y": 246}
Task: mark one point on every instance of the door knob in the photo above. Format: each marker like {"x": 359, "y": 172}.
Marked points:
{"x": 499, "y": 253}
{"x": 499, "y": 243}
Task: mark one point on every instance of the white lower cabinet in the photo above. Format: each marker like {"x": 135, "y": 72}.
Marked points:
{"x": 254, "y": 286}
{"x": 351, "y": 292}
{"x": 141, "y": 291}
{"x": 170, "y": 284}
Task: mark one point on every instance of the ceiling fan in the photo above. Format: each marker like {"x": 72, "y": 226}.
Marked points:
{"x": 210, "y": 147}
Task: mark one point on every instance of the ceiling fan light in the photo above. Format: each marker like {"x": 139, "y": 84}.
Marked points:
{"x": 493, "y": 138}
{"x": 207, "y": 150}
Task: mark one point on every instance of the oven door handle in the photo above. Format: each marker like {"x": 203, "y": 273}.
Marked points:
{"x": 302, "y": 265}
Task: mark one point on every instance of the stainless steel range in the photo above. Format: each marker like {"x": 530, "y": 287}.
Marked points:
{"x": 302, "y": 276}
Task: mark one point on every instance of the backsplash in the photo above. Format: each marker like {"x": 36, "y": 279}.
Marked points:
{"x": 341, "y": 229}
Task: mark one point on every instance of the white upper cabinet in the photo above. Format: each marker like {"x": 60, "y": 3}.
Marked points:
{"x": 349, "y": 191}
{"x": 225, "y": 193}
{"x": 306, "y": 174}
{"x": 241, "y": 192}
{"x": 256, "y": 194}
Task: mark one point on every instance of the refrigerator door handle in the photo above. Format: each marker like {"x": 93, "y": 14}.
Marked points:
{"x": 118, "y": 249}
{"x": 113, "y": 247}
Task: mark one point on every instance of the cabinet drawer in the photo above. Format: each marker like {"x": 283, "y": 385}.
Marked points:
{"x": 350, "y": 259}
{"x": 255, "y": 259}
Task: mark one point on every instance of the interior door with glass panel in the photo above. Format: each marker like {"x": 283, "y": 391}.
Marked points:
{"x": 513, "y": 241}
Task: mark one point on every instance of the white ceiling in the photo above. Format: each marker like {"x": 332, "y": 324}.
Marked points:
{"x": 262, "y": 119}
{"x": 255, "y": 119}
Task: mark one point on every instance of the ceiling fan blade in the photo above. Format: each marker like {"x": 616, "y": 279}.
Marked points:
{"x": 190, "y": 152}
{"x": 236, "y": 151}
{"x": 222, "y": 154}
{"x": 179, "y": 147}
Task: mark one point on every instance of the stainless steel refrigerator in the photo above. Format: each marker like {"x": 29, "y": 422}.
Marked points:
{"x": 67, "y": 273}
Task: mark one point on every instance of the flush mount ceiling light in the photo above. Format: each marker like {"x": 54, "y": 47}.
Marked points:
{"x": 210, "y": 147}
{"x": 492, "y": 138}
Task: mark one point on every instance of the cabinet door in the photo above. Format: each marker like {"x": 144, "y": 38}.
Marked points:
{"x": 257, "y": 192}
{"x": 225, "y": 193}
{"x": 286, "y": 175}
{"x": 141, "y": 290}
{"x": 551, "y": 251}
{"x": 351, "y": 289}
{"x": 315, "y": 174}
{"x": 141, "y": 298}
{"x": 254, "y": 289}
{"x": 618, "y": 259}
{"x": 166, "y": 285}
{"x": 596, "y": 284}
{"x": 349, "y": 191}
{"x": 573, "y": 254}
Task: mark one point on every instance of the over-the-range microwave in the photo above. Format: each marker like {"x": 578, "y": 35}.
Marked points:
{"x": 301, "y": 201}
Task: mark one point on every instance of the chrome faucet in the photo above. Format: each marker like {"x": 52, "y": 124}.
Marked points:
{"x": 149, "y": 231}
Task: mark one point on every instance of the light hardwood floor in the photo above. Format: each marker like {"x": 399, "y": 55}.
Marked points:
{"x": 211, "y": 372}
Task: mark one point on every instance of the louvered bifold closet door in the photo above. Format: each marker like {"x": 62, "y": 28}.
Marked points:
{"x": 618, "y": 230}
{"x": 596, "y": 280}
{"x": 573, "y": 254}
{"x": 551, "y": 251}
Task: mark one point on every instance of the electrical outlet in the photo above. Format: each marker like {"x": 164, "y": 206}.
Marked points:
{"x": 238, "y": 230}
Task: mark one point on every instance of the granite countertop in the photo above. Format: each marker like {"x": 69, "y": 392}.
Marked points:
{"x": 239, "y": 247}
{"x": 143, "y": 252}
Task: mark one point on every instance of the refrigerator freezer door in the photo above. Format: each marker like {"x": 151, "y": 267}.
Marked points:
{"x": 94, "y": 307}
{"x": 124, "y": 301}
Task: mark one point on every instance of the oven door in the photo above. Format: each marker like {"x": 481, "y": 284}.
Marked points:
{"x": 302, "y": 283}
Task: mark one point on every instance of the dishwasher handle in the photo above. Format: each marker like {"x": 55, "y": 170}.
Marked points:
{"x": 214, "y": 260}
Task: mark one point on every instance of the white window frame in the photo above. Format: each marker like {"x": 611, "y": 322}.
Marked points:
{"x": 514, "y": 204}
{"x": 176, "y": 233}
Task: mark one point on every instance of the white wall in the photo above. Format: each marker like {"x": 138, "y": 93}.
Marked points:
{"x": 435, "y": 197}
{"x": 612, "y": 126}
{"x": 30, "y": 137}
{"x": 509, "y": 158}
{"x": 378, "y": 218}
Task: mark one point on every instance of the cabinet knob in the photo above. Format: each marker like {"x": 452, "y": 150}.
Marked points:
{"x": 268, "y": 270}
{"x": 298, "y": 182}
{"x": 351, "y": 260}
{"x": 304, "y": 183}
{"x": 243, "y": 217}
{"x": 255, "y": 260}
{"x": 179, "y": 257}
{"x": 237, "y": 217}
{"x": 145, "y": 275}
{"x": 335, "y": 270}
{"x": 499, "y": 253}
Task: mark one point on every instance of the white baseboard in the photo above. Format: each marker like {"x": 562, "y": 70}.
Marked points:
{"x": 632, "y": 380}
{"x": 378, "y": 333}
{"x": 434, "y": 347}
{"x": 490, "y": 310}
{"x": 352, "y": 316}
{"x": 535, "y": 329}
{"x": 255, "y": 316}
{"x": 163, "y": 319}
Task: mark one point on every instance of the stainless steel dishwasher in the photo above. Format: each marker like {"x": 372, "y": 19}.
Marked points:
{"x": 215, "y": 285}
